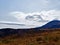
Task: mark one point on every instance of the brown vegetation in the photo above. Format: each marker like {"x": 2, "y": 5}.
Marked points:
{"x": 45, "y": 37}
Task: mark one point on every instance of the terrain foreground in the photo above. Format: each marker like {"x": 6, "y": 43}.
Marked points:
{"x": 31, "y": 37}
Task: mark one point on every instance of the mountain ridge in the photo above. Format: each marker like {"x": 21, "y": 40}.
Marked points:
{"x": 51, "y": 24}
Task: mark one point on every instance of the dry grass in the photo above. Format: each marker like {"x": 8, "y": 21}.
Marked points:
{"x": 44, "y": 38}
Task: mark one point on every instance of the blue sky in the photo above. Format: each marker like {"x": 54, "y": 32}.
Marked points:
{"x": 27, "y": 6}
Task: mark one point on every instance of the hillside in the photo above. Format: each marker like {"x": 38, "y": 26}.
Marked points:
{"x": 48, "y": 34}
{"x": 50, "y": 25}
{"x": 31, "y": 37}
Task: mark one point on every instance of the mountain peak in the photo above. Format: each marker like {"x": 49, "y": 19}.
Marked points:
{"x": 55, "y": 21}
{"x": 51, "y": 24}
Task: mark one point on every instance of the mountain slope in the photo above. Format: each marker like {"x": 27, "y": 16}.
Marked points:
{"x": 52, "y": 24}
{"x": 8, "y": 31}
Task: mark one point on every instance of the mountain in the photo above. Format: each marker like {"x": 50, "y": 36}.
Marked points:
{"x": 51, "y": 24}
{"x": 9, "y": 31}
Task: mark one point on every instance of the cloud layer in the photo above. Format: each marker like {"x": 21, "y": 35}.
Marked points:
{"x": 31, "y": 20}
{"x": 36, "y": 19}
{"x": 45, "y": 15}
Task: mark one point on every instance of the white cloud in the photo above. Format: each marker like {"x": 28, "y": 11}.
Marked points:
{"x": 46, "y": 15}
{"x": 35, "y": 21}
{"x": 51, "y": 14}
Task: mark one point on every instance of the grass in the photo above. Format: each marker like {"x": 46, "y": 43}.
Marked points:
{"x": 44, "y": 38}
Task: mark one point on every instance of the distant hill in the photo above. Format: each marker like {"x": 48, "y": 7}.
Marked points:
{"x": 9, "y": 31}
{"x": 52, "y": 24}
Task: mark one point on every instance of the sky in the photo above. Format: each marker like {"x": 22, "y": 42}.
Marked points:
{"x": 17, "y": 10}
{"x": 26, "y": 6}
